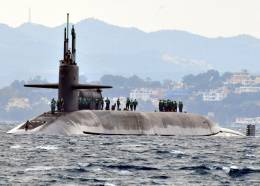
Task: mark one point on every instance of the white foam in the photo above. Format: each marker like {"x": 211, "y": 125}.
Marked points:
{"x": 232, "y": 167}
{"x": 226, "y": 169}
{"x": 250, "y": 155}
{"x": 39, "y": 168}
{"x": 15, "y": 147}
{"x": 47, "y": 147}
{"x": 109, "y": 184}
{"x": 177, "y": 152}
{"x": 124, "y": 172}
{"x": 83, "y": 164}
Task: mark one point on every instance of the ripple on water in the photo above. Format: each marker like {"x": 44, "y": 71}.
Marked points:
{"x": 133, "y": 148}
{"x": 131, "y": 167}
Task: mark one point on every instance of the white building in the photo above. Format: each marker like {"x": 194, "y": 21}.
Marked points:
{"x": 255, "y": 120}
{"x": 215, "y": 95}
{"x": 141, "y": 94}
{"x": 179, "y": 85}
{"x": 257, "y": 80}
{"x": 245, "y": 89}
{"x": 243, "y": 78}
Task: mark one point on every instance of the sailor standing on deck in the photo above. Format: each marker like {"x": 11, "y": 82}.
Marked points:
{"x": 127, "y": 103}
{"x": 160, "y": 106}
{"x": 180, "y": 106}
{"x": 107, "y": 104}
{"x": 97, "y": 104}
{"x": 118, "y": 104}
{"x": 58, "y": 105}
{"x": 62, "y": 104}
{"x": 53, "y": 105}
{"x": 131, "y": 105}
{"x": 135, "y": 103}
{"x": 102, "y": 103}
{"x": 175, "y": 106}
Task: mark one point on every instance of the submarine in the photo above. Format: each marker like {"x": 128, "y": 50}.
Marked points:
{"x": 92, "y": 120}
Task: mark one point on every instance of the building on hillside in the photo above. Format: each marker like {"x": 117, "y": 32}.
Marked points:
{"x": 179, "y": 85}
{"x": 257, "y": 80}
{"x": 146, "y": 94}
{"x": 215, "y": 95}
{"x": 245, "y": 120}
{"x": 242, "y": 77}
{"x": 246, "y": 89}
{"x": 141, "y": 94}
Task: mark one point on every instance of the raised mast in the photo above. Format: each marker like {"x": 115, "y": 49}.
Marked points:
{"x": 65, "y": 45}
{"x": 66, "y": 55}
{"x": 73, "y": 43}
{"x": 68, "y": 15}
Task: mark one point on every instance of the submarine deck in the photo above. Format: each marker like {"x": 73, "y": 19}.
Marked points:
{"x": 42, "y": 119}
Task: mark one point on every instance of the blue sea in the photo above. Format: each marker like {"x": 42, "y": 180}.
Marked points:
{"x": 127, "y": 160}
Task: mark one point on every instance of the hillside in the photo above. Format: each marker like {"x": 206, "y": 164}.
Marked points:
{"x": 32, "y": 49}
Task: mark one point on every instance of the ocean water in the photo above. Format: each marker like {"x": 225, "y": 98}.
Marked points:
{"x": 128, "y": 160}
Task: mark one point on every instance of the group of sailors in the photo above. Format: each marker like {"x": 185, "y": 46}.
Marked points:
{"x": 97, "y": 104}
{"x": 131, "y": 105}
{"x": 100, "y": 104}
{"x": 57, "y": 105}
{"x": 170, "y": 106}
{"x": 91, "y": 103}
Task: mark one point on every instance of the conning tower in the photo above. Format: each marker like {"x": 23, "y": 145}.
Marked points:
{"x": 69, "y": 73}
{"x": 68, "y": 86}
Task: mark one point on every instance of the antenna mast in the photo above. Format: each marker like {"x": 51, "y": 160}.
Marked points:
{"x": 68, "y": 15}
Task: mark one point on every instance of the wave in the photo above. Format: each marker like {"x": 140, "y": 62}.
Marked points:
{"x": 234, "y": 171}
{"x": 131, "y": 167}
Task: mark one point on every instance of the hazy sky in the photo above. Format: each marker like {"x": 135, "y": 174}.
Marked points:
{"x": 206, "y": 17}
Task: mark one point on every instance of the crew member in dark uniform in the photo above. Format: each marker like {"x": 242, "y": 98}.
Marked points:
{"x": 26, "y": 126}
{"x": 160, "y": 105}
{"x": 180, "y": 106}
{"x": 135, "y": 103}
{"x": 127, "y": 103}
{"x": 62, "y": 104}
{"x": 102, "y": 103}
{"x": 175, "y": 106}
{"x": 164, "y": 105}
{"x": 131, "y": 105}
{"x": 53, "y": 105}
{"x": 58, "y": 105}
{"x": 107, "y": 104}
{"x": 118, "y": 104}
{"x": 168, "y": 107}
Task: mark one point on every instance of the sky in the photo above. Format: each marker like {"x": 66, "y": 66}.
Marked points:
{"x": 211, "y": 18}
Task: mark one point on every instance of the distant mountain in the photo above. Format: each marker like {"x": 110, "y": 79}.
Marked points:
{"x": 32, "y": 49}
